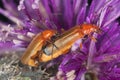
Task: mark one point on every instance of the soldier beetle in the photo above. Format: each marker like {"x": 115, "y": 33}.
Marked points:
{"x": 39, "y": 51}
{"x": 36, "y": 44}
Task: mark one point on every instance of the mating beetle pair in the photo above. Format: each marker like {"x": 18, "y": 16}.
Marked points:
{"x": 40, "y": 51}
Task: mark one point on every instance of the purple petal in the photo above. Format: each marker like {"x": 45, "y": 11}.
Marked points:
{"x": 68, "y": 13}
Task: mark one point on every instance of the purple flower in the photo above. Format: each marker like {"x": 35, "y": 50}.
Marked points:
{"x": 30, "y": 17}
{"x": 99, "y": 59}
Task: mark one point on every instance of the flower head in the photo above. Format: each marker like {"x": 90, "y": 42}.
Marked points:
{"x": 33, "y": 16}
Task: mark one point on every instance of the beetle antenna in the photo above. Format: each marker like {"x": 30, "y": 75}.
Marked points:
{"x": 52, "y": 44}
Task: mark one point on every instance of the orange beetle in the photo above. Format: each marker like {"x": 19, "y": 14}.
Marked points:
{"x": 36, "y": 44}
{"x": 66, "y": 40}
{"x": 38, "y": 51}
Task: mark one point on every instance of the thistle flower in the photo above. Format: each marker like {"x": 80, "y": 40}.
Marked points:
{"x": 33, "y": 16}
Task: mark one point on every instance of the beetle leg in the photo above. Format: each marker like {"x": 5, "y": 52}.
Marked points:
{"x": 52, "y": 47}
{"x": 92, "y": 38}
{"x": 81, "y": 45}
{"x": 52, "y": 44}
{"x": 77, "y": 44}
{"x": 33, "y": 62}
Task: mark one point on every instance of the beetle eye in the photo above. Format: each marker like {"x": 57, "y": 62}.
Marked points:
{"x": 85, "y": 36}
